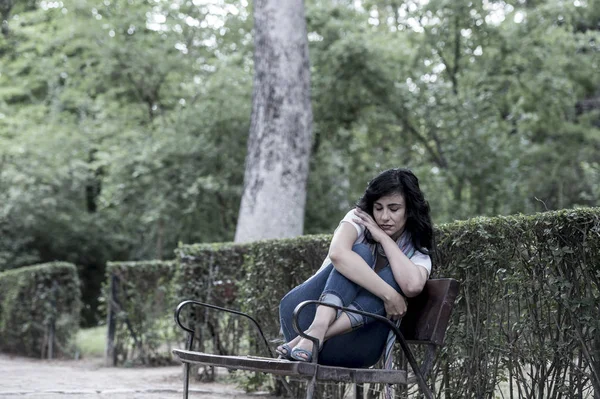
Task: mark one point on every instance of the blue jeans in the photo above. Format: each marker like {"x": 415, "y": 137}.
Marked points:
{"x": 360, "y": 347}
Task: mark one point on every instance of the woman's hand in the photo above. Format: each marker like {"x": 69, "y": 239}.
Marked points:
{"x": 366, "y": 220}
{"x": 395, "y": 306}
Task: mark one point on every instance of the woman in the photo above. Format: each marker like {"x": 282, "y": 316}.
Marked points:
{"x": 379, "y": 254}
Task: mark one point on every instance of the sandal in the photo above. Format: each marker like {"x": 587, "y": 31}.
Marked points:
{"x": 296, "y": 352}
{"x": 284, "y": 351}
{"x": 303, "y": 355}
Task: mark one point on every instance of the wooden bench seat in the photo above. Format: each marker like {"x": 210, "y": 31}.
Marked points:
{"x": 291, "y": 368}
{"x": 425, "y": 323}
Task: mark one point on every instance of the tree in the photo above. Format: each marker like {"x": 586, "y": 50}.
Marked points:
{"x": 276, "y": 171}
{"x": 119, "y": 136}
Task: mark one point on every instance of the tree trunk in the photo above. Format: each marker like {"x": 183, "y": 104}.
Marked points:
{"x": 280, "y": 131}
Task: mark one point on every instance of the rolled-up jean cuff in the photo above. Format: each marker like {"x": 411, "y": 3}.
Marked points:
{"x": 332, "y": 299}
{"x": 356, "y": 320}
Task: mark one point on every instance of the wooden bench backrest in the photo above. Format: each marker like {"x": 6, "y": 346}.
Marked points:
{"x": 429, "y": 312}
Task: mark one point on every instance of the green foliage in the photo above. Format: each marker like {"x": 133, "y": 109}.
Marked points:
{"x": 123, "y": 125}
{"x": 119, "y": 136}
{"x": 141, "y": 296}
{"x": 210, "y": 273}
{"x": 459, "y": 93}
{"x": 528, "y": 307}
{"x": 39, "y": 307}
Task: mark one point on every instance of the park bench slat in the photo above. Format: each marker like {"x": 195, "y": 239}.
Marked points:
{"x": 252, "y": 363}
{"x": 292, "y": 368}
{"x": 343, "y": 374}
{"x": 428, "y": 313}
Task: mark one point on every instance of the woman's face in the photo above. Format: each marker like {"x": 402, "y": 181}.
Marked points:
{"x": 389, "y": 213}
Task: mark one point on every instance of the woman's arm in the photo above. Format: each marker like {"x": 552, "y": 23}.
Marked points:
{"x": 353, "y": 267}
{"x": 410, "y": 277}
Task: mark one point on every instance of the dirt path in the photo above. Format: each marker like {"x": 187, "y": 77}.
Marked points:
{"x": 88, "y": 379}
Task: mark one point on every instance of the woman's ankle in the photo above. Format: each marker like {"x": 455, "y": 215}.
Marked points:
{"x": 320, "y": 326}
{"x": 317, "y": 332}
{"x": 294, "y": 341}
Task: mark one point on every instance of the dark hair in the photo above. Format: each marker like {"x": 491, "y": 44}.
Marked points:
{"x": 404, "y": 182}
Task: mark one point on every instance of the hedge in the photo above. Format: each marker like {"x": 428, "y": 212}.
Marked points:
{"x": 527, "y": 317}
{"x": 139, "y": 298}
{"x": 526, "y": 320}
{"x": 210, "y": 273}
{"x": 39, "y": 310}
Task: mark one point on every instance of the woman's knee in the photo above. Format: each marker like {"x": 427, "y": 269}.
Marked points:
{"x": 365, "y": 252}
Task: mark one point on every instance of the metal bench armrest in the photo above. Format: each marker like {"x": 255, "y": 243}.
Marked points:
{"x": 207, "y": 305}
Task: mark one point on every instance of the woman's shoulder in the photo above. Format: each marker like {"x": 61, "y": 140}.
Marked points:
{"x": 349, "y": 218}
{"x": 422, "y": 259}
{"x": 421, "y": 255}
{"x": 349, "y": 215}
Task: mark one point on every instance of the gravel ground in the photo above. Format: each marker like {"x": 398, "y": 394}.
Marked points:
{"x": 88, "y": 379}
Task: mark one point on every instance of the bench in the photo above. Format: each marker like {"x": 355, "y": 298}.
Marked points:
{"x": 424, "y": 323}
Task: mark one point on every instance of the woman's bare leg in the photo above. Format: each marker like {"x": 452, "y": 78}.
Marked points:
{"x": 322, "y": 328}
{"x": 341, "y": 325}
{"x": 324, "y": 317}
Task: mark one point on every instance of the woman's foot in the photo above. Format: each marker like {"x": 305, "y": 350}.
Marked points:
{"x": 303, "y": 350}
{"x": 302, "y": 347}
{"x": 285, "y": 350}
{"x": 302, "y": 355}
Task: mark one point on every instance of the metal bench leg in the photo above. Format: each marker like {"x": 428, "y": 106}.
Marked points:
{"x": 186, "y": 366}
{"x": 186, "y": 379}
{"x": 413, "y": 364}
{"x": 310, "y": 388}
{"x": 359, "y": 391}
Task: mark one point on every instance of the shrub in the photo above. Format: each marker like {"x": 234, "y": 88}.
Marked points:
{"x": 210, "y": 273}
{"x": 39, "y": 309}
{"x": 140, "y": 301}
{"x": 527, "y": 315}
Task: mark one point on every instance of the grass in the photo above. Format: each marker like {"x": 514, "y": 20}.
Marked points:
{"x": 90, "y": 342}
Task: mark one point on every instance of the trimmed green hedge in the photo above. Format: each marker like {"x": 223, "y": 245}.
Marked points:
{"x": 140, "y": 298}
{"x": 528, "y": 313}
{"x": 39, "y": 309}
{"x": 210, "y": 273}
{"x": 274, "y": 267}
